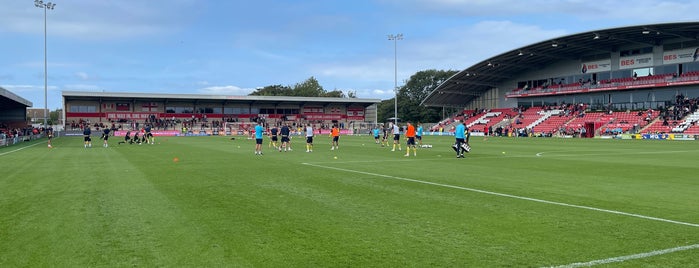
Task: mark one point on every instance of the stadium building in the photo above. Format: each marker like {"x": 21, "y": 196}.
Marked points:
{"x": 211, "y": 113}
{"x": 626, "y": 80}
{"x": 13, "y": 110}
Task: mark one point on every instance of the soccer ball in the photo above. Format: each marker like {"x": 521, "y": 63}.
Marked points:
{"x": 335, "y": 157}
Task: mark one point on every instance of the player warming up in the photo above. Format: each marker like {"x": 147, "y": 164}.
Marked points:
{"x": 285, "y": 132}
{"x": 396, "y": 137}
{"x": 335, "y": 133}
{"x": 105, "y": 137}
{"x": 86, "y": 137}
{"x": 127, "y": 137}
{"x": 376, "y": 133}
{"x": 259, "y": 132}
{"x": 49, "y": 135}
{"x": 309, "y": 138}
{"x": 410, "y": 137}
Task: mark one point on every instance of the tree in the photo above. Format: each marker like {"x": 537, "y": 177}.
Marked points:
{"x": 53, "y": 116}
{"x": 411, "y": 95}
{"x": 275, "y": 90}
{"x": 334, "y": 94}
{"x": 384, "y": 110}
{"x": 309, "y": 88}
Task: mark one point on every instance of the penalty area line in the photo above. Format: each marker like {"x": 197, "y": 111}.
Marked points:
{"x": 628, "y": 257}
{"x": 507, "y": 195}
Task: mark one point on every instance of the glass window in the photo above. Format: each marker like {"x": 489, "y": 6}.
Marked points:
{"x": 83, "y": 109}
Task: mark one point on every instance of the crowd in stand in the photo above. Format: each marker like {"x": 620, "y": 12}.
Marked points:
{"x": 683, "y": 107}
{"x": 15, "y": 135}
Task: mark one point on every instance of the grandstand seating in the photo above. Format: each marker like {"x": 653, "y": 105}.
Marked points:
{"x": 693, "y": 130}
{"x": 623, "y": 122}
{"x": 529, "y": 116}
{"x": 688, "y": 122}
{"x": 542, "y": 121}
{"x": 552, "y": 123}
{"x": 657, "y": 127}
{"x": 490, "y": 119}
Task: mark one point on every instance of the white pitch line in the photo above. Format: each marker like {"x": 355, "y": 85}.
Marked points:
{"x": 628, "y": 257}
{"x": 25, "y": 147}
{"x": 509, "y": 195}
{"x": 578, "y": 154}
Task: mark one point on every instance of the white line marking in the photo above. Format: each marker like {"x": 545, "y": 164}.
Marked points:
{"x": 25, "y": 147}
{"x": 578, "y": 154}
{"x": 628, "y": 257}
{"x": 508, "y": 195}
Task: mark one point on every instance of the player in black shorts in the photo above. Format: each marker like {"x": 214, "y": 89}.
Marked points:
{"x": 384, "y": 140}
{"x": 127, "y": 138}
{"x": 49, "y": 135}
{"x": 285, "y": 133}
{"x": 86, "y": 137}
{"x": 105, "y": 136}
{"x": 273, "y": 133}
{"x": 148, "y": 135}
{"x": 136, "y": 139}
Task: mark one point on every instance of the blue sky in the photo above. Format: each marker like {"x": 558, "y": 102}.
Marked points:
{"x": 232, "y": 47}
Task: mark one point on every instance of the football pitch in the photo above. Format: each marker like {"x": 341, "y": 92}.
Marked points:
{"x": 211, "y": 202}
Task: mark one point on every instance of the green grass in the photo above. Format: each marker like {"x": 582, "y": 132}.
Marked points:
{"x": 221, "y": 205}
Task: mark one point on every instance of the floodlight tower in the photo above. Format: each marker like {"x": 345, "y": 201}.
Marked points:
{"x": 395, "y": 39}
{"x": 45, "y": 6}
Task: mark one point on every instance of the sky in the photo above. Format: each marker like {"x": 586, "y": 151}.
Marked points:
{"x": 232, "y": 47}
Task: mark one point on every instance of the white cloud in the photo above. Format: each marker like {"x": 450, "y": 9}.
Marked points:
{"x": 98, "y": 19}
{"x": 83, "y": 87}
{"x": 82, "y": 76}
{"x": 225, "y": 90}
{"x": 372, "y": 70}
{"x": 637, "y": 10}
{"x": 22, "y": 88}
{"x": 454, "y": 48}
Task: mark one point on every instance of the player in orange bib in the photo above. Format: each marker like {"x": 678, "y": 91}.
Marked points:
{"x": 335, "y": 133}
{"x": 410, "y": 136}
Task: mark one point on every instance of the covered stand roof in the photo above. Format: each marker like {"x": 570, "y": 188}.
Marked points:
{"x": 465, "y": 86}
{"x": 257, "y": 100}
{"x": 11, "y": 100}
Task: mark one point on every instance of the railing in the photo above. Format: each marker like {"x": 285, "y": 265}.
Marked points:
{"x": 641, "y": 82}
{"x": 6, "y": 140}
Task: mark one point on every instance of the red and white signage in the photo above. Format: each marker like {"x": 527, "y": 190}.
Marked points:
{"x": 681, "y": 55}
{"x": 129, "y": 115}
{"x": 636, "y": 61}
{"x": 596, "y": 66}
{"x": 149, "y": 107}
{"x": 323, "y": 116}
{"x": 355, "y": 112}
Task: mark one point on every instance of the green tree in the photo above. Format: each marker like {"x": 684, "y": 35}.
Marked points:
{"x": 411, "y": 95}
{"x": 274, "y": 90}
{"x": 309, "y": 88}
{"x": 53, "y": 116}
{"x": 334, "y": 94}
{"x": 385, "y": 109}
